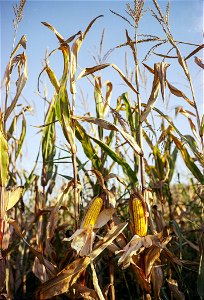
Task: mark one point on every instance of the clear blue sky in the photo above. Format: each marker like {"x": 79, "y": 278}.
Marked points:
{"x": 68, "y": 17}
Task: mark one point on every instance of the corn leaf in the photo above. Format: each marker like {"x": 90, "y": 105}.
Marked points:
{"x": 58, "y": 35}
{"x": 12, "y": 197}
{"x": 172, "y": 163}
{"x": 88, "y": 71}
{"x": 52, "y": 269}
{"x": 129, "y": 114}
{"x": 68, "y": 276}
{"x": 88, "y": 148}
{"x": 74, "y": 54}
{"x": 109, "y": 88}
{"x": 53, "y": 79}
{"x": 99, "y": 102}
{"x": 20, "y": 84}
{"x": 48, "y": 144}
{"x": 154, "y": 93}
{"x": 110, "y": 126}
{"x": 22, "y": 136}
{"x": 179, "y": 93}
{"x": 195, "y": 151}
{"x": 4, "y": 156}
{"x": 199, "y": 62}
{"x": 194, "y": 51}
{"x": 121, "y": 161}
{"x": 188, "y": 160}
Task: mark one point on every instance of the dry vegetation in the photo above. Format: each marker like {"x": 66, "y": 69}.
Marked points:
{"x": 141, "y": 236}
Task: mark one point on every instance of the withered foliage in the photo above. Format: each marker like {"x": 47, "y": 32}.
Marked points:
{"x": 119, "y": 227}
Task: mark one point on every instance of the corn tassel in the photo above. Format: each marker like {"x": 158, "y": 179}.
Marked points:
{"x": 138, "y": 216}
{"x": 92, "y": 213}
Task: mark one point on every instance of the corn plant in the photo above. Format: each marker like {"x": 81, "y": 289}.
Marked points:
{"x": 119, "y": 225}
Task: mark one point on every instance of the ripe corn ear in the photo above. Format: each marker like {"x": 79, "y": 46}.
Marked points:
{"x": 92, "y": 213}
{"x": 139, "y": 216}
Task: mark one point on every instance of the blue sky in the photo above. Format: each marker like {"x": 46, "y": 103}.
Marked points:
{"x": 68, "y": 17}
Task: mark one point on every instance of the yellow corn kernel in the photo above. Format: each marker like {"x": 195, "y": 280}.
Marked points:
{"x": 92, "y": 213}
{"x": 139, "y": 217}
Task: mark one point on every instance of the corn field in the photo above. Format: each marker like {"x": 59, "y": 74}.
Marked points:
{"x": 117, "y": 224}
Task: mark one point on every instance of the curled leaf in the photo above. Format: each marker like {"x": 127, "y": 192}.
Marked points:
{"x": 88, "y": 71}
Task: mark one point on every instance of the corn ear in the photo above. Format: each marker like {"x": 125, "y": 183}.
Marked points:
{"x": 92, "y": 213}
{"x": 138, "y": 212}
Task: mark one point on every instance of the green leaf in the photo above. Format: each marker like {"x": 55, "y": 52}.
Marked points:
{"x": 159, "y": 164}
{"x": 88, "y": 148}
{"x": 188, "y": 160}
{"x": 66, "y": 121}
{"x": 178, "y": 232}
{"x": 110, "y": 126}
{"x": 22, "y": 136}
{"x": 48, "y": 144}
{"x": 129, "y": 114}
{"x": 4, "y": 156}
{"x": 65, "y": 176}
{"x": 172, "y": 163}
{"x": 12, "y": 127}
{"x": 121, "y": 161}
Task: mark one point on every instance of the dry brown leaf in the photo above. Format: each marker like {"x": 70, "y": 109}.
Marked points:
{"x": 109, "y": 88}
{"x": 88, "y": 71}
{"x": 141, "y": 279}
{"x": 199, "y": 62}
{"x": 162, "y": 67}
{"x": 84, "y": 292}
{"x": 22, "y": 43}
{"x": 148, "y": 68}
{"x": 20, "y": 84}
{"x": 58, "y": 35}
{"x": 157, "y": 280}
{"x": 154, "y": 93}
{"x": 108, "y": 239}
{"x": 62, "y": 282}
{"x": 195, "y": 51}
{"x": 51, "y": 269}
{"x": 68, "y": 276}
{"x": 179, "y": 93}
{"x": 74, "y": 54}
{"x": 39, "y": 270}
{"x": 2, "y": 271}
{"x": 159, "y": 220}
{"x": 150, "y": 257}
{"x": 173, "y": 286}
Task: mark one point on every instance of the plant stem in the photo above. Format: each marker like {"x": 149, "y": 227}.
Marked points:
{"x": 140, "y": 136}
{"x": 75, "y": 171}
{"x": 76, "y": 194}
